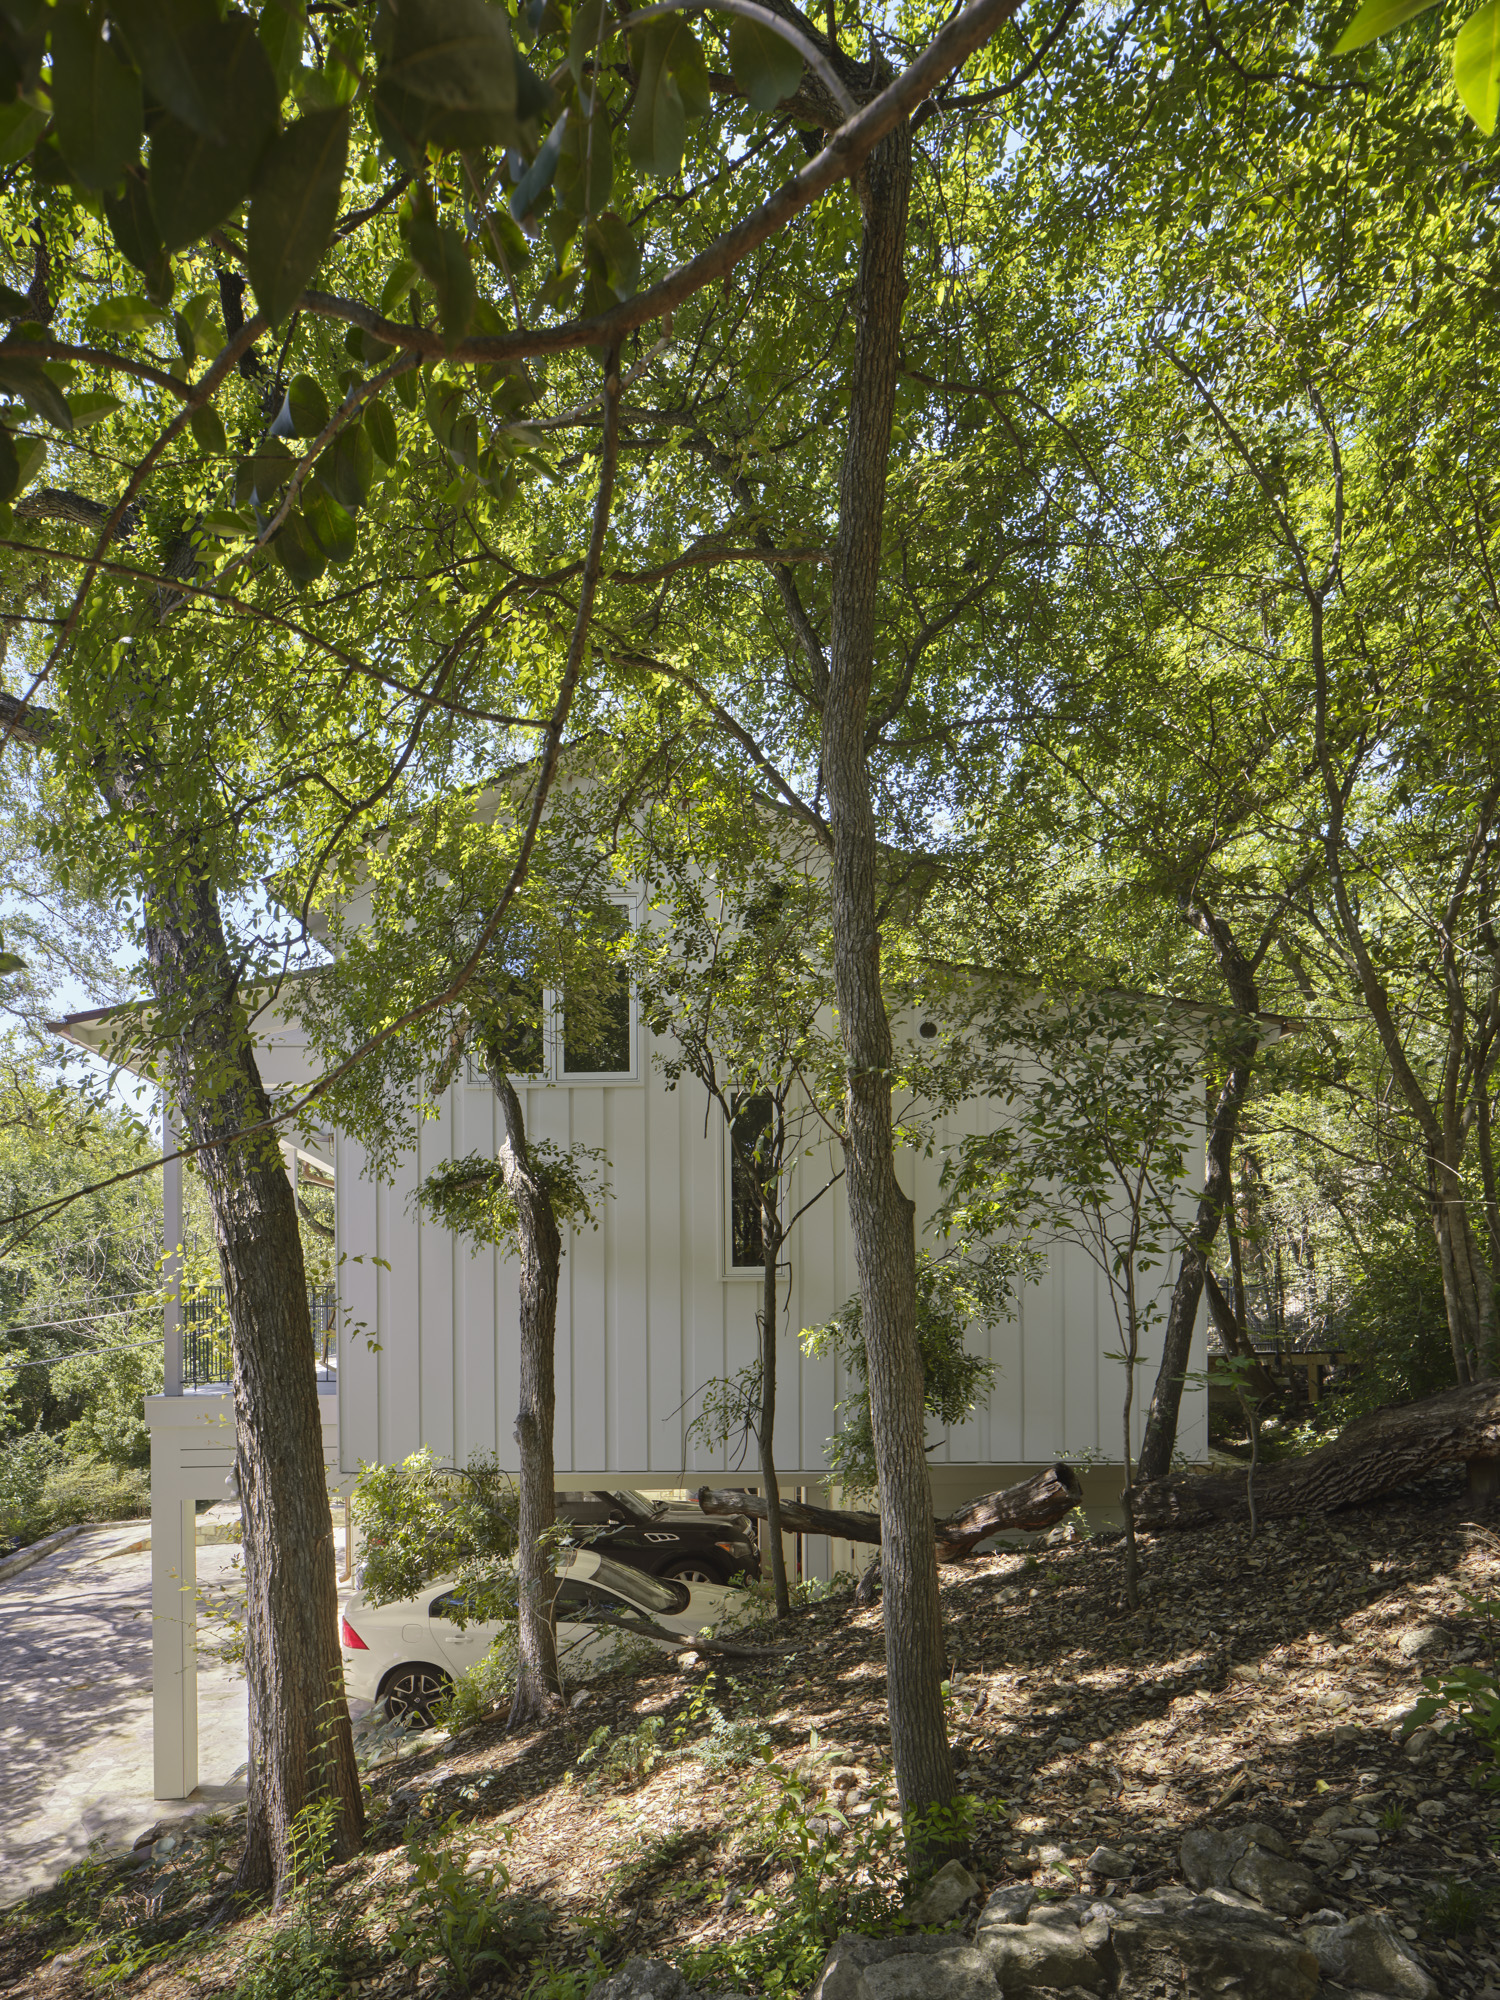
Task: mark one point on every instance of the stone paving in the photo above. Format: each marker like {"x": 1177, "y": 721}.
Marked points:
{"x": 75, "y": 1718}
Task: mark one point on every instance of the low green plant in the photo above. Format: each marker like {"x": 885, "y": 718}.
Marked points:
{"x": 1456, "y": 1907}
{"x": 622, "y": 1760}
{"x": 1394, "y": 1817}
{"x": 463, "y": 1916}
{"x": 486, "y": 1685}
{"x": 1469, "y": 1697}
{"x": 574, "y": 1982}
{"x": 291, "y": 1965}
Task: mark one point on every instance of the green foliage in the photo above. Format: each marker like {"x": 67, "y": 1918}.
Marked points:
{"x": 620, "y": 1760}
{"x": 952, "y": 1295}
{"x": 26, "y": 1460}
{"x": 488, "y": 1684}
{"x": 1468, "y": 1697}
{"x": 423, "y": 1519}
{"x": 470, "y": 1196}
{"x": 461, "y": 1916}
{"x": 1393, "y": 1320}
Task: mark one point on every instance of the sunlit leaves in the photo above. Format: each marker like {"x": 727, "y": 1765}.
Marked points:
{"x": 1476, "y": 65}
{"x": 124, "y": 314}
{"x": 1376, "y": 18}
{"x": 96, "y": 98}
{"x": 764, "y": 64}
{"x": 208, "y": 431}
{"x": 294, "y": 207}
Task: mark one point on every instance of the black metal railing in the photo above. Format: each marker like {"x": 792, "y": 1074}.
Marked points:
{"x": 205, "y": 1335}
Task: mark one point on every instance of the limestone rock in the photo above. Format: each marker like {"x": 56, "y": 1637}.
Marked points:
{"x": 645, "y": 1979}
{"x": 910, "y": 1968}
{"x": 1288, "y": 1887}
{"x": 1008, "y": 1905}
{"x": 1366, "y": 1952}
{"x": 1419, "y": 1639}
{"x": 1320, "y": 1851}
{"x": 1208, "y": 1856}
{"x": 1041, "y": 1955}
{"x": 1111, "y": 1864}
{"x": 944, "y": 1896}
{"x": 1191, "y": 1954}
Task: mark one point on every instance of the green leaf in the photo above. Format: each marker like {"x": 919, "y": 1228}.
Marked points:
{"x": 294, "y": 207}
{"x": 1376, "y": 18}
{"x": 124, "y": 314}
{"x": 96, "y": 98}
{"x": 537, "y": 178}
{"x": 268, "y": 471}
{"x": 332, "y": 525}
{"x": 443, "y": 261}
{"x": 298, "y": 551}
{"x": 585, "y": 166}
{"x": 673, "y": 82}
{"x": 195, "y": 180}
{"x": 21, "y": 125}
{"x": 614, "y": 251}
{"x": 447, "y": 74}
{"x": 344, "y": 470}
{"x": 381, "y": 427}
{"x": 591, "y": 32}
{"x": 408, "y": 389}
{"x": 208, "y": 432}
{"x": 282, "y": 31}
{"x": 764, "y": 64}
{"x": 37, "y": 389}
{"x": 658, "y": 125}
{"x": 10, "y": 467}
{"x": 444, "y": 401}
{"x": 10, "y": 964}
{"x": 137, "y": 239}
{"x": 1476, "y": 65}
{"x": 23, "y": 32}
{"x": 502, "y": 243}
{"x": 177, "y": 47}
{"x": 92, "y": 407}
{"x": 398, "y": 282}
{"x": 31, "y": 455}
{"x": 13, "y": 304}
{"x": 308, "y": 406}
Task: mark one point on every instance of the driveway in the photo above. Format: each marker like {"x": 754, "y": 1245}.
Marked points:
{"x": 75, "y": 1712}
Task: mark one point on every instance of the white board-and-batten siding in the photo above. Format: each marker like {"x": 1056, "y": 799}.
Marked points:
{"x": 648, "y": 1312}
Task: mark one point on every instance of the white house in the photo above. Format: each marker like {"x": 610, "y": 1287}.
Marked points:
{"x": 653, "y": 1306}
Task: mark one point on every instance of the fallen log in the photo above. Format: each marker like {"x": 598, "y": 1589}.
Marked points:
{"x": 1037, "y": 1502}
{"x": 1374, "y": 1455}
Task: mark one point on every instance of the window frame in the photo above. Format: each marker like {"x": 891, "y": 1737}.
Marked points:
{"x": 553, "y": 1075}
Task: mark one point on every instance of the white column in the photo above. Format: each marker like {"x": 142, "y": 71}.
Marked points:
{"x": 171, "y": 1270}
{"x": 174, "y": 1631}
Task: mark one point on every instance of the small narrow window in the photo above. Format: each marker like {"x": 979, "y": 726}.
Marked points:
{"x": 598, "y": 1040}
{"x": 749, "y": 1132}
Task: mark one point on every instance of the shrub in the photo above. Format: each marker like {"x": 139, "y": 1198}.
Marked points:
{"x": 26, "y": 1458}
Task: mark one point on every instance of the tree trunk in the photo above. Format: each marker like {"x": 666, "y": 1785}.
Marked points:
{"x": 1160, "y": 1438}
{"x": 880, "y": 1214}
{"x": 1035, "y": 1503}
{"x": 301, "y": 1748}
{"x": 770, "y": 1245}
{"x": 538, "y": 1676}
{"x": 1374, "y": 1455}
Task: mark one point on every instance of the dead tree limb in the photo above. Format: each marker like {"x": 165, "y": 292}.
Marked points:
{"x": 646, "y": 1628}
{"x": 1035, "y": 1503}
{"x": 1374, "y": 1455}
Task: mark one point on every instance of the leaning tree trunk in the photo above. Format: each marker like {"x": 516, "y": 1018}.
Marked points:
{"x": 538, "y": 1676}
{"x": 1035, "y": 1503}
{"x": 880, "y": 1214}
{"x": 301, "y": 1748}
{"x": 1160, "y": 1437}
{"x": 1372, "y": 1456}
{"x": 770, "y": 1245}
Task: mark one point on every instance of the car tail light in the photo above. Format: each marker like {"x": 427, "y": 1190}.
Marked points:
{"x": 350, "y": 1638}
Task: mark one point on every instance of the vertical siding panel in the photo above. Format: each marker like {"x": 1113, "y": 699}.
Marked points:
{"x": 359, "y": 1306}
{"x": 401, "y": 1323}
{"x": 477, "y": 1419}
{"x": 625, "y": 1227}
{"x": 703, "y": 1262}
{"x": 664, "y": 1275}
{"x": 593, "y": 1384}
{"x": 435, "y": 1264}
{"x": 819, "y": 1297}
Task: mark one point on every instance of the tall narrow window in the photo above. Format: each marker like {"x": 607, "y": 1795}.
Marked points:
{"x": 597, "y": 1040}
{"x": 749, "y": 1131}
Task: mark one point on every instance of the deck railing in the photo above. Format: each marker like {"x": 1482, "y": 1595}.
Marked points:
{"x": 205, "y": 1335}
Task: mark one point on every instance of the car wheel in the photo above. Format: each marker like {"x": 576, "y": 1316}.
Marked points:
{"x": 416, "y": 1692}
{"x": 691, "y": 1569}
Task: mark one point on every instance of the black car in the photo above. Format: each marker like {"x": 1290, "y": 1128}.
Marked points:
{"x": 663, "y": 1538}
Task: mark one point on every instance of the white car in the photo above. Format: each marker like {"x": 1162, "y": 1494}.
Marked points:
{"x": 407, "y": 1653}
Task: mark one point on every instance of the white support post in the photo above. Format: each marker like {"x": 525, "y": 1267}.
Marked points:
{"x": 171, "y": 1270}
{"x": 174, "y": 1649}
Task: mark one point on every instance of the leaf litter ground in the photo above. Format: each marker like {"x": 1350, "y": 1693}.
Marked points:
{"x": 1259, "y": 1681}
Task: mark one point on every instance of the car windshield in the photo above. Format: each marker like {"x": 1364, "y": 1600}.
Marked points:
{"x": 647, "y": 1593}
{"x": 636, "y": 1504}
